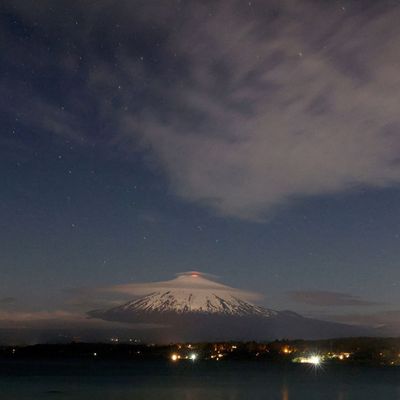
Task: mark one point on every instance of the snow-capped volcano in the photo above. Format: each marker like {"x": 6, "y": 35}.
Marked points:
{"x": 193, "y": 307}
{"x": 193, "y": 293}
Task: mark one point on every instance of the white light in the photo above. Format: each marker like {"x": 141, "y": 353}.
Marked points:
{"x": 193, "y": 356}
{"x": 315, "y": 360}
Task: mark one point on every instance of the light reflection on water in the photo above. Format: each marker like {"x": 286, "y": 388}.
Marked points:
{"x": 203, "y": 381}
{"x": 285, "y": 393}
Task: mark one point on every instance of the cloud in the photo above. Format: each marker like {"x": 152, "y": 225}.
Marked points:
{"x": 245, "y": 107}
{"x": 388, "y": 321}
{"x": 38, "y": 318}
{"x": 306, "y": 106}
{"x": 324, "y": 298}
{"x": 7, "y": 300}
{"x": 37, "y": 315}
{"x": 57, "y": 319}
{"x": 186, "y": 280}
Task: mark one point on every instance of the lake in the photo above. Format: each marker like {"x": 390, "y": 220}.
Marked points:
{"x": 234, "y": 380}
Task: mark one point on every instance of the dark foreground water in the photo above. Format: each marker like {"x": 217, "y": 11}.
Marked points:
{"x": 100, "y": 380}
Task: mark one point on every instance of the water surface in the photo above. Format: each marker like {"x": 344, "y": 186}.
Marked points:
{"x": 101, "y": 380}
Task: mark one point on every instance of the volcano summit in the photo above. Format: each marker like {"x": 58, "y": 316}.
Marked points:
{"x": 193, "y": 307}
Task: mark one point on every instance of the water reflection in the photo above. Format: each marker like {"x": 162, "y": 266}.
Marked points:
{"x": 285, "y": 393}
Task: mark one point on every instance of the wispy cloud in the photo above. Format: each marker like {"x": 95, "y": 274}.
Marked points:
{"x": 57, "y": 319}
{"x": 8, "y": 300}
{"x": 388, "y": 321}
{"x": 293, "y": 104}
{"x": 244, "y": 106}
{"x": 323, "y": 298}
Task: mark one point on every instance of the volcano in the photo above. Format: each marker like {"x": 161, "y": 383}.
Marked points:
{"x": 193, "y": 307}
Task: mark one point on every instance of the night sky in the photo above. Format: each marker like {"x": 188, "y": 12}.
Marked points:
{"x": 257, "y": 141}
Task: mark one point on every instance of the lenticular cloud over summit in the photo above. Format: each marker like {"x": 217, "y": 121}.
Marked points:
{"x": 191, "y": 280}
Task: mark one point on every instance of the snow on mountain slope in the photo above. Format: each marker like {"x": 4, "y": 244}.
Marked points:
{"x": 192, "y": 293}
{"x": 194, "y": 301}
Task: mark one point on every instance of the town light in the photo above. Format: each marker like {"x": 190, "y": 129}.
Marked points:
{"x": 315, "y": 360}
